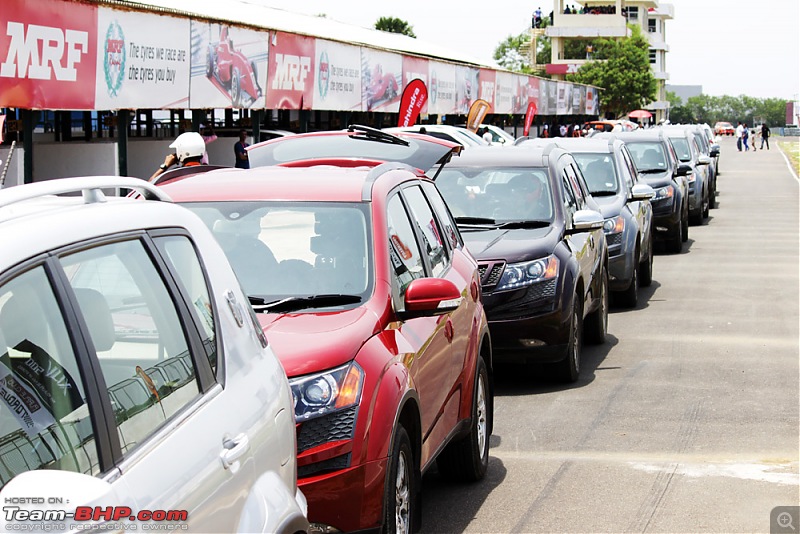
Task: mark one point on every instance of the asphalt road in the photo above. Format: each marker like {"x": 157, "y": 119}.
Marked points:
{"x": 688, "y": 418}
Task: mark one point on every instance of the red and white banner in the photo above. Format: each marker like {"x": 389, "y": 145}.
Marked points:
{"x": 338, "y": 85}
{"x": 48, "y": 52}
{"x": 466, "y": 88}
{"x": 414, "y": 97}
{"x": 442, "y": 78}
{"x": 228, "y": 66}
{"x": 381, "y": 75}
{"x": 142, "y": 61}
{"x": 486, "y": 81}
{"x": 416, "y": 68}
{"x": 505, "y": 89}
{"x": 290, "y": 84}
{"x": 529, "y": 117}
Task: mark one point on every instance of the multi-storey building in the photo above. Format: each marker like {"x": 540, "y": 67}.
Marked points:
{"x": 609, "y": 18}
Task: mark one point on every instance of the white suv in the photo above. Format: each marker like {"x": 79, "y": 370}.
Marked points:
{"x": 135, "y": 383}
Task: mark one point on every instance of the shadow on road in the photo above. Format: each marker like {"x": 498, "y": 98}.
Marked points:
{"x": 451, "y": 506}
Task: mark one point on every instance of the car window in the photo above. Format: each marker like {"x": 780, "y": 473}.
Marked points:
{"x": 572, "y": 181}
{"x": 428, "y": 230}
{"x": 407, "y": 264}
{"x": 648, "y": 155}
{"x": 682, "y": 149}
{"x": 450, "y": 228}
{"x": 629, "y": 166}
{"x": 135, "y": 328}
{"x": 599, "y": 170}
{"x": 570, "y": 204}
{"x": 179, "y": 251}
{"x": 44, "y": 417}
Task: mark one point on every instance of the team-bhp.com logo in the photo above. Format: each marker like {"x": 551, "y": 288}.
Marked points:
{"x": 113, "y": 517}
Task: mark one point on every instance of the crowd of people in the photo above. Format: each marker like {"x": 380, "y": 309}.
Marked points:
{"x": 746, "y": 138}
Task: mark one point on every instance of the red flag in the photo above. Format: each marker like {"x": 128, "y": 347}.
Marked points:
{"x": 414, "y": 96}
{"x": 529, "y": 118}
{"x": 477, "y": 112}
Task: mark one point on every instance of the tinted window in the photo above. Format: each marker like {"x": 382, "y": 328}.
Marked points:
{"x": 570, "y": 204}
{"x": 136, "y": 331}
{"x": 574, "y": 183}
{"x": 648, "y": 155}
{"x": 631, "y": 168}
{"x": 429, "y": 230}
{"x": 407, "y": 264}
{"x": 44, "y": 416}
{"x": 450, "y": 228}
{"x": 599, "y": 171}
{"x": 681, "y": 146}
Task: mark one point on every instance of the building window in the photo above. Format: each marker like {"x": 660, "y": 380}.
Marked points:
{"x": 652, "y": 56}
{"x": 633, "y": 13}
{"x": 651, "y": 25}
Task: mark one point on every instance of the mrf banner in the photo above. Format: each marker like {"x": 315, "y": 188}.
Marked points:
{"x": 143, "y": 61}
{"x": 290, "y": 84}
{"x": 338, "y": 76}
{"x": 48, "y": 51}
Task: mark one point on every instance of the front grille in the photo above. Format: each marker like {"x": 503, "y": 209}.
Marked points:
{"x": 332, "y": 427}
{"x": 490, "y": 273}
{"x": 614, "y": 239}
{"x": 332, "y": 464}
{"x": 522, "y": 307}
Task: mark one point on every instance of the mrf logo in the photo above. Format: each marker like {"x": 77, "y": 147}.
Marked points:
{"x": 42, "y": 52}
{"x": 114, "y": 58}
{"x": 291, "y": 72}
{"x": 323, "y": 74}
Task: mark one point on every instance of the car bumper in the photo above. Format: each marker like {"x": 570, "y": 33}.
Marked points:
{"x": 350, "y": 499}
{"x": 665, "y": 218}
{"x": 620, "y": 269}
{"x": 540, "y": 337}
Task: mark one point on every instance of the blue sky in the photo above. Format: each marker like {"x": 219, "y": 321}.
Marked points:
{"x": 730, "y": 47}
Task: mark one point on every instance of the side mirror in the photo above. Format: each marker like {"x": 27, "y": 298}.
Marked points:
{"x": 684, "y": 170}
{"x": 702, "y": 159}
{"x": 62, "y": 487}
{"x": 585, "y": 221}
{"x": 642, "y": 192}
{"x": 427, "y": 297}
{"x": 714, "y": 151}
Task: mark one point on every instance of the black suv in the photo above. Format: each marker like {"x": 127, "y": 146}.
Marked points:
{"x": 526, "y": 215}
{"x": 658, "y": 165}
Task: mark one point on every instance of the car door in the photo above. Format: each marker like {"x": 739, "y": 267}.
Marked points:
{"x": 428, "y": 340}
{"x": 641, "y": 209}
{"x": 182, "y": 441}
{"x": 584, "y": 244}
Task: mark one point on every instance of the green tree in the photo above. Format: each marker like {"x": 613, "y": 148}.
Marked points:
{"x": 511, "y": 53}
{"x": 395, "y": 25}
{"x": 622, "y": 70}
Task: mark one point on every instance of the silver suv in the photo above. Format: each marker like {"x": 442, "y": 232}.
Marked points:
{"x": 135, "y": 383}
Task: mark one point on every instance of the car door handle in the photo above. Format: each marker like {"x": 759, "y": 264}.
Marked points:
{"x": 235, "y": 448}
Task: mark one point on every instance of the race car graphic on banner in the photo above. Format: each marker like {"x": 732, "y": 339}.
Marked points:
{"x": 229, "y": 66}
{"x": 48, "y": 53}
{"x": 142, "y": 61}
{"x": 466, "y": 88}
{"x": 381, "y": 74}
{"x": 338, "y": 84}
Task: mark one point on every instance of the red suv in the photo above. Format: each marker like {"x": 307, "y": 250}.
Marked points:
{"x": 363, "y": 286}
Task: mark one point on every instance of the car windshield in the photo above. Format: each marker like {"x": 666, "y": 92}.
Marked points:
{"x": 292, "y": 249}
{"x": 600, "y": 173}
{"x": 648, "y": 156}
{"x": 497, "y": 195}
{"x": 681, "y": 146}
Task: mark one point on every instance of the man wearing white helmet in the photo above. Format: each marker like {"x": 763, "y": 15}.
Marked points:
{"x": 188, "y": 152}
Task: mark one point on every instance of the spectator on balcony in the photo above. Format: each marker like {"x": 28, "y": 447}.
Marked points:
{"x": 567, "y": 10}
{"x": 537, "y": 18}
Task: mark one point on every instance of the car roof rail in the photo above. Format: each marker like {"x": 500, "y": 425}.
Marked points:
{"x": 379, "y": 170}
{"x": 91, "y": 188}
{"x": 373, "y": 134}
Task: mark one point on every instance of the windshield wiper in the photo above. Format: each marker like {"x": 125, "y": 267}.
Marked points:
{"x": 652, "y": 171}
{"x": 604, "y": 193}
{"x": 475, "y": 220}
{"x": 510, "y": 225}
{"x": 298, "y": 303}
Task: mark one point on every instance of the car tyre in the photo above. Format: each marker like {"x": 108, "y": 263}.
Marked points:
{"x": 236, "y": 88}
{"x": 685, "y": 228}
{"x": 706, "y": 206}
{"x": 630, "y": 296}
{"x": 675, "y": 242}
{"x": 597, "y": 323}
{"x": 569, "y": 369}
{"x": 401, "y": 487}
{"x": 646, "y": 268}
{"x": 467, "y": 459}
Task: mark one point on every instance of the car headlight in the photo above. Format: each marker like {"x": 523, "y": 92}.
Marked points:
{"x": 664, "y": 192}
{"x": 322, "y": 393}
{"x": 526, "y": 273}
{"x": 614, "y": 225}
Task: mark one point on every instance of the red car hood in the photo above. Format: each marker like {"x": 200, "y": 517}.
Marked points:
{"x": 311, "y": 342}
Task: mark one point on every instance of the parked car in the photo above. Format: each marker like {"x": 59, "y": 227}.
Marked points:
{"x": 134, "y": 373}
{"x": 525, "y": 214}
{"x": 362, "y": 284}
{"x": 624, "y": 201}
{"x": 499, "y": 135}
{"x": 724, "y": 128}
{"x": 709, "y": 149}
{"x": 233, "y": 70}
{"x": 685, "y": 145}
{"x": 454, "y": 134}
{"x": 658, "y": 165}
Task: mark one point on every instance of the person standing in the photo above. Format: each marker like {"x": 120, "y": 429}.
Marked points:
{"x": 240, "y": 151}
{"x": 210, "y": 138}
{"x": 764, "y": 136}
{"x": 739, "y": 133}
{"x": 745, "y": 137}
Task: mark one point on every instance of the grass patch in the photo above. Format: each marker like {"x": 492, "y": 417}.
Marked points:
{"x": 792, "y": 151}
